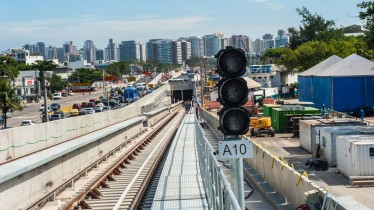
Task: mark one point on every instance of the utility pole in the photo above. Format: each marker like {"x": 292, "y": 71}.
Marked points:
{"x": 45, "y": 96}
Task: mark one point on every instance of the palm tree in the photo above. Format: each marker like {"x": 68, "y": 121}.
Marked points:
{"x": 8, "y": 99}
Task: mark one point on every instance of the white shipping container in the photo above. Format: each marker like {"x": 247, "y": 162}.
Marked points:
{"x": 327, "y": 141}
{"x": 309, "y": 129}
{"x": 355, "y": 155}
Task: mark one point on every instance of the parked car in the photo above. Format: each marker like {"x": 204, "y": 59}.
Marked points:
{"x": 76, "y": 106}
{"x": 90, "y": 110}
{"x": 91, "y": 104}
{"x": 74, "y": 112}
{"x": 84, "y": 105}
{"x": 56, "y": 96}
{"x": 28, "y": 122}
{"x": 92, "y": 100}
{"x": 106, "y": 108}
{"x": 55, "y": 106}
{"x": 82, "y": 112}
{"x": 41, "y": 108}
{"x": 56, "y": 117}
{"x": 98, "y": 108}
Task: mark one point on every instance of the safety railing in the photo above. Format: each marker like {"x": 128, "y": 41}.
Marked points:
{"x": 217, "y": 188}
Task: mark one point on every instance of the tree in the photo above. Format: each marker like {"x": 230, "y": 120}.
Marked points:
{"x": 8, "y": 99}
{"x": 368, "y": 17}
{"x": 56, "y": 82}
{"x": 84, "y": 75}
{"x": 314, "y": 27}
{"x": 44, "y": 65}
{"x": 9, "y": 68}
{"x": 118, "y": 69}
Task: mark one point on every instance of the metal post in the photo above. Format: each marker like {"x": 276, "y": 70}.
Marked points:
{"x": 237, "y": 180}
{"x": 103, "y": 83}
{"x": 202, "y": 84}
{"x": 45, "y": 98}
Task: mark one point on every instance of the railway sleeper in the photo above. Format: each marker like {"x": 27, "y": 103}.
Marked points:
{"x": 94, "y": 194}
{"x": 83, "y": 205}
{"x": 110, "y": 178}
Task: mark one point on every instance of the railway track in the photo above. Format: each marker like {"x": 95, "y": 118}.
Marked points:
{"x": 120, "y": 180}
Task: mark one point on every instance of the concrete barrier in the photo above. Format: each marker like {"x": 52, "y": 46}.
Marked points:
{"x": 20, "y": 141}
{"x": 33, "y": 184}
{"x": 155, "y": 116}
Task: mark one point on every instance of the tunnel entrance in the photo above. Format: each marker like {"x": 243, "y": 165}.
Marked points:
{"x": 179, "y": 95}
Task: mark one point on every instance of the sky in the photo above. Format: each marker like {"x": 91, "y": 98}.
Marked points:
{"x": 58, "y": 21}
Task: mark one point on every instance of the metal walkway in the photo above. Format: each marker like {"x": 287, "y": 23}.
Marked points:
{"x": 180, "y": 185}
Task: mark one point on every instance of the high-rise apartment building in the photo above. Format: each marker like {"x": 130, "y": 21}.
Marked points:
{"x": 143, "y": 55}
{"x": 89, "y": 51}
{"x": 60, "y": 54}
{"x": 51, "y": 52}
{"x": 197, "y": 46}
{"x": 70, "y": 52}
{"x": 100, "y": 55}
{"x": 259, "y": 46}
{"x": 212, "y": 44}
{"x": 41, "y": 48}
{"x": 69, "y": 47}
{"x": 240, "y": 41}
{"x": 224, "y": 43}
{"x": 111, "y": 51}
{"x": 165, "y": 52}
{"x": 129, "y": 51}
{"x": 185, "y": 50}
{"x": 269, "y": 41}
{"x": 282, "y": 40}
{"x": 152, "y": 50}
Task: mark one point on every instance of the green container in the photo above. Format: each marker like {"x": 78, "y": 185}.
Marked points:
{"x": 267, "y": 109}
{"x": 280, "y": 118}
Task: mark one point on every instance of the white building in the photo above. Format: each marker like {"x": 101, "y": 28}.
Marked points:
{"x": 24, "y": 56}
{"x": 79, "y": 64}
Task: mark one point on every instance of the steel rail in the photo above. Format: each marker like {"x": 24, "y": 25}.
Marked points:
{"x": 91, "y": 188}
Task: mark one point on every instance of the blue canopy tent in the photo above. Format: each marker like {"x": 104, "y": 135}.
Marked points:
{"x": 305, "y": 79}
{"x": 346, "y": 85}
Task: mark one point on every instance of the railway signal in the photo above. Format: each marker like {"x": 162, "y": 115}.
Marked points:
{"x": 232, "y": 92}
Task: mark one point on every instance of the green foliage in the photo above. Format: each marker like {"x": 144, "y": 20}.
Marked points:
{"x": 8, "y": 99}
{"x": 84, "y": 75}
{"x": 44, "y": 65}
{"x": 368, "y": 17}
{"x": 57, "y": 84}
{"x": 314, "y": 27}
{"x": 118, "y": 69}
{"x": 313, "y": 52}
{"x": 9, "y": 67}
{"x": 193, "y": 62}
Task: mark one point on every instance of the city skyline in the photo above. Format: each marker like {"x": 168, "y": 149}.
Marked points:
{"x": 55, "y": 23}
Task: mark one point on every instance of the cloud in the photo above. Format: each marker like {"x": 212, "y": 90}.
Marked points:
{"x": 98, "y": 28}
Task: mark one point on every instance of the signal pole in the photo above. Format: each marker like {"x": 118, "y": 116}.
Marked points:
{"x": 233, "y": 118}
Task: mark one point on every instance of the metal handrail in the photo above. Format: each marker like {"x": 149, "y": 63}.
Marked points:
{"x": 217, "y": 188}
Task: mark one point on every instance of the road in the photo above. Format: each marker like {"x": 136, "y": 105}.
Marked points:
{"x": 31, "y": 110}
